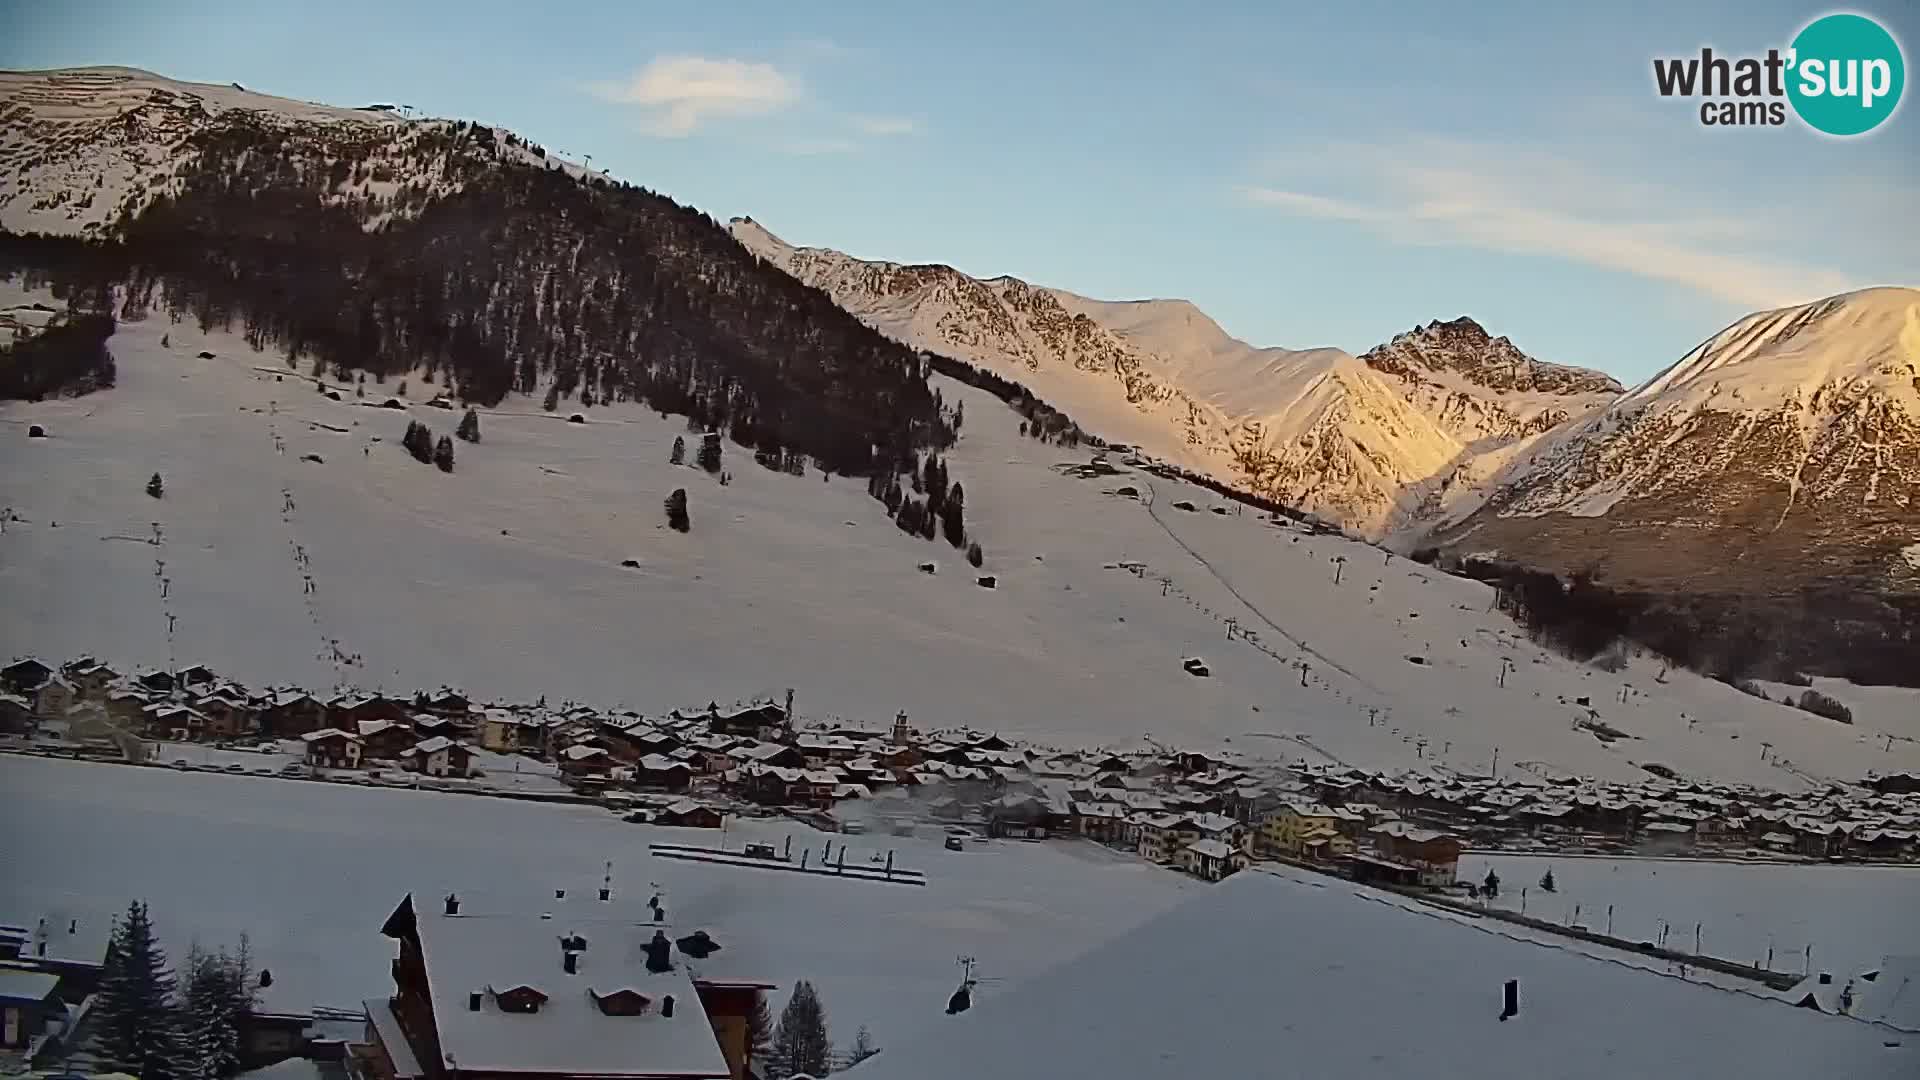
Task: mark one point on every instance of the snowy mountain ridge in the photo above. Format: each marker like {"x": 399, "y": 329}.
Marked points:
{"x": 1794, "y": 433}
{"x": 1347, "y": 438}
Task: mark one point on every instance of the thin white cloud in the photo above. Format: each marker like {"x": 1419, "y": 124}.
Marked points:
{"x": 882, "y": 126}
{"x": 1496, "y": 198}
{"x": 682, "y": 93}
{"x": 811, "y": 147}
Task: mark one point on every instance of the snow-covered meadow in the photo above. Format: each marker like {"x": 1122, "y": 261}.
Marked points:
{"x": 1851, "y": 917}
{"x": 505, "y": 578}
{"x": 309, "y": 871}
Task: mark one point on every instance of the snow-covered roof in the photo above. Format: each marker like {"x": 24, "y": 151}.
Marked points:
{"x": 1379, "y": 990}
{"x": 661, "y": 763}
{"x": 569, "y": 1034}
{"x": 581, "y": 752}
{"x": 434, "y": 745}
{"x": 1212, "y": 849}
{"x": 26, "y": 985}
{"x": 328, "y": 733}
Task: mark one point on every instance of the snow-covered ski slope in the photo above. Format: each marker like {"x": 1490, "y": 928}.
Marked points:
{"x": 505, "y": 578}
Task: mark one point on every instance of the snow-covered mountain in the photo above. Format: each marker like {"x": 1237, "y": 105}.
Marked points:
{"x": 1784, "y": 451}
{"x": 1373, "y": 442}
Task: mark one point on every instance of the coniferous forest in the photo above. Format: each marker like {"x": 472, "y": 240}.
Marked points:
{"x": 459, "y": 254}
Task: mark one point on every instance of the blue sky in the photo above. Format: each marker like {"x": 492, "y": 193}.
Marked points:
{"x": 1308, "y": 174}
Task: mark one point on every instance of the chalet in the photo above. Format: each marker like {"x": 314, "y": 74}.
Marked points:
{"x": 632, "y": 741}
{"x": 1211, "y": 860}
{"x": 126, "y": 707}
{"x": 1433, "y": 855}
{"x": 501, "y": 730}
{"x": 290, "y": 714}
{"x": 585, "y": 759}
{"x": 1661, "y": 837}
{"x": 663, "y": 773}
{"x": 16, "y": 714}
{"x": 53, "y": 697}
{"x": 428, "y": 725}
{"x": 384, "y": 740}
{"x": 331, "y": 748}
{"x": 166, "y": 718}
{"x": 227, "y": 715}
{"x": 156, "y": 680}
{"x": 91, "y": 680}
{"x": 536, "y": 999}
{"x": 768, "y": 753}
{"x": 24, "y": 676}
{"x": 347, "y": 711}
{"x": 438, "y": 756}
{"x": 1024, "y": 817}
{"x": 197, "y": 675}
{"x": 448, "y": 703}
{"x": 29, "y": 1004}
{"x": 687, "y": 814}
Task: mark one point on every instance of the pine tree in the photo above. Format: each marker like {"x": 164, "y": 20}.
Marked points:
{"x": 469, "y": 429}
{"x": 800, "y": 1043}
{"x": 709, "y": 456}
{"x": 975, "y": 555}
{"x": 552, "y": 400}
{"x": 953, "y": 516}
{"x": 154, "y": 487}
{"x": 218, "y": 993}
{"x": 133, "y": 1022}
{"x": 677, "y": 511}
{"x": 1547, "y": 884}
{"x": 759, "y": 1032}
{"x": 443, "y": 454}
{"x": 679, "y": 455}
{"x": 863, "y": 1047}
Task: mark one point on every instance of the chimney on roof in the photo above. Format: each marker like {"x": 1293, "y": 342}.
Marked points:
{"x": 453, "y": 904}
{"x": 659, "y": 953}
{"x": 1512, "y": 1007}
{"x": 473, "y": 1001}
{"x": 73, "y": 926}
{"x": 559, "y": 894}
{"x": 570, "y": 962}
{"x": 666, "y": 1007}
{"x": 1826, "y": 978}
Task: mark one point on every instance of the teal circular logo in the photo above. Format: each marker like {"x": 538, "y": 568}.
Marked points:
{"x": 1845, "y": 74}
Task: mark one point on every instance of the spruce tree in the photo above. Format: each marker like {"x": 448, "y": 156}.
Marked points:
{"x": 677, "y": 511}
{"x": 759, "y": 1033}
{"x": 679, "y": 455}
{"x": 469, "y": 429}
{"x": 709, "y": 456}
{"x": 218, "y": 993}
{"x": 443, "y": 454}
{"x": 132, "y": 1019}
{"x": 863, "y": 1047}
{"x": 975, "y": 555}
{"x": 154, "y": 487}
{"x": 953, "y": 516}
{"x": 800, "y": 1043}
{"x": 1547, "y": 884}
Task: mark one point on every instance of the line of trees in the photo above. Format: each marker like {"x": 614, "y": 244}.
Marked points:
{"x": 159, "y": 1027}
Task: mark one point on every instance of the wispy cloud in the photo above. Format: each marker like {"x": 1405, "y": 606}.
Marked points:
{"x": 813, "y": 147}
{"x": 882, "y": 126}
{"x": 1503, "y": 199}
{"x": 682, "y": 93}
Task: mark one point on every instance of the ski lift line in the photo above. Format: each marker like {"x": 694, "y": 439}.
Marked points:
{"x": 1197, "y": 557}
